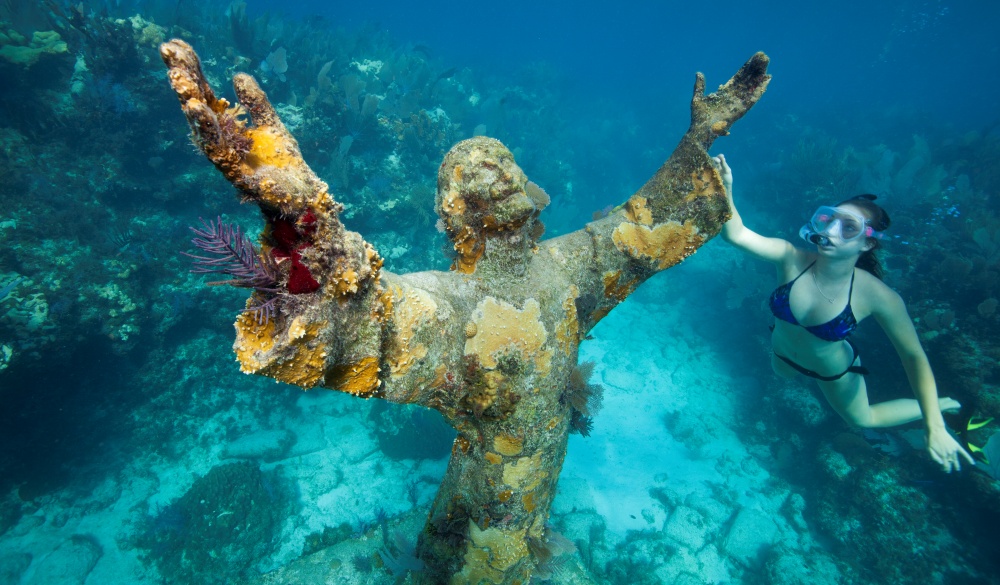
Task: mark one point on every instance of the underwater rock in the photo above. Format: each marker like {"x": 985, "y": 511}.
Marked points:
{"x": 886, "y": 522}
{"x": 27, "y": 524}
{"x": 69, "y": 564}
{"x": 264, "y": 445}
{"x": 749, "y": 536}
{"x": 699, "y": 435}
{"x": 687, "y": 527}
{"x": 587, "y": 530}
{"x": 11, "y": 511}
{"x": 688, "y": 579}
{"x": 12, "y": 566}
{"x": 716, "y": 513}
{"x": 833, "y": 463}
{"x": 801, "y": 407}
{"x": 793, "y": 508}
{"x": 707, "y": 565}
{"x": 793, "y": 567}
{"x": 491, "y": 344}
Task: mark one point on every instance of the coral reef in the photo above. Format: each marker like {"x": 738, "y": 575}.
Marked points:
{"x": 517, "y": 307}
{"x": 217, "y": 530}
{"x": 20, "y": 51}
{"x": 890, "y": 526}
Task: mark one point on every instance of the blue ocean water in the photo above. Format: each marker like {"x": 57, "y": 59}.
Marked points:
{"x": 122, "y": 410}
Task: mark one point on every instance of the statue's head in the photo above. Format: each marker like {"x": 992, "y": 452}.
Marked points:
{"x": 487, "y": 206}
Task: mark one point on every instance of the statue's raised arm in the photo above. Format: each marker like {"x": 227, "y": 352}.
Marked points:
{"x": 491, "y": 344}
{"x": 681, "y": 207}
{"x": 322, "y": 326}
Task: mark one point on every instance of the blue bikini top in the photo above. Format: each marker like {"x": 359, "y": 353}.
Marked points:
{"x": 836, "y": 329}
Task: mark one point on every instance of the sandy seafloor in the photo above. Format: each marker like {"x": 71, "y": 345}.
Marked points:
{"x": 702, "y": 491}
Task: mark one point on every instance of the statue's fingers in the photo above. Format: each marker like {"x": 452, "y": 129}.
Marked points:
{"x": 184, "y": 72}
{"x": 699, "y": 85}
{"x": 752, "y": 78}
{"x": 253, "y": 98}
{"x": 203, "y": 122}
{"x": 219, "y": 137}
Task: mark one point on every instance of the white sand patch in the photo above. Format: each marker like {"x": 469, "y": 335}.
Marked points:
{"x": 653, "y": 363}
{"x": 341, "y": 474}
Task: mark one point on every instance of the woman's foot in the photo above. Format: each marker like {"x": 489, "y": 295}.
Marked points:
{"x": 949, "y": 405}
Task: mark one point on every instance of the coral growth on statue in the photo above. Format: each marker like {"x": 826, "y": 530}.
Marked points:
{"x": 491, "y": 345}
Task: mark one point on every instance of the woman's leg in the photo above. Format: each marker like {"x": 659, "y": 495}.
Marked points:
{"x": 849, "y": 397}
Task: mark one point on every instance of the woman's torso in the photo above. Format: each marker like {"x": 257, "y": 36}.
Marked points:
{"x": 826, "y": 313}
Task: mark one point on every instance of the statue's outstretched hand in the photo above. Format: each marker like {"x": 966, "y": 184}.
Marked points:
{"x": 257, "y": 155}
{"x": 263, "y": 161}
{"x": 714, "y": 114}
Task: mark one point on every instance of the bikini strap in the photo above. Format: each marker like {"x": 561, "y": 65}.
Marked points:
{"x": 851, "y": 291}
{"x": 804, "y": 271}
{"x": 851, "y": 369}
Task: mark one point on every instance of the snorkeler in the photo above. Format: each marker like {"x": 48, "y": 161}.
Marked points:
{"x": 822, "y": 298}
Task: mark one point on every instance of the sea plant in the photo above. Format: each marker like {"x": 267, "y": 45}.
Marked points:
{"x": 988, "y": 242}
{"x": 233, "y": 254}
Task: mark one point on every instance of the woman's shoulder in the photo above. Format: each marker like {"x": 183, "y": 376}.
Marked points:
{"x": 875, "y": 294}
{"x": 796, "y": 262}
{"x": 873, "y": 283}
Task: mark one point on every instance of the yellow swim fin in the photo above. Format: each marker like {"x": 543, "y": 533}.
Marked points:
{"x": 978, "y": 424}
{"x": 977, "y": 453}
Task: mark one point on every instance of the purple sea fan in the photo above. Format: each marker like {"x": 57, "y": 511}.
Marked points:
{"x": 233, "y": 254}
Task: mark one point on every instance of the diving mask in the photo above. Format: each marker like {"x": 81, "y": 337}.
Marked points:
{"x": 829, "y": 221}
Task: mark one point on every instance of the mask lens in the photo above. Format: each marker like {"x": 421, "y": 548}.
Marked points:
{"x": 823, "y": 218}
{"x": 850, "y": 228}
{"x": 850, "y": 225}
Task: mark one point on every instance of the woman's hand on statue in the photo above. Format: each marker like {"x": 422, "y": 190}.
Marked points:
{"x": 946, "y": 451}
{"x": 724, "y": 171}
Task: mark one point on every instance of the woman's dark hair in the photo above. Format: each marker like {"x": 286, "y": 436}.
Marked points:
{"x": 879, "y": 221}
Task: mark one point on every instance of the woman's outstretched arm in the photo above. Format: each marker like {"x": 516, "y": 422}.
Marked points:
{"x": 774, "y": 250}
{"x": 890, "y": 312}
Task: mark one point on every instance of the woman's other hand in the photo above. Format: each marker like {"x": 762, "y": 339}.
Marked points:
{"x": 946, "y": 451}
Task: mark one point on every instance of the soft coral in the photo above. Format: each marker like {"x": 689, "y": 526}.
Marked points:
{"x": 234, "y": 255}
{"x": 288, "y": 239}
